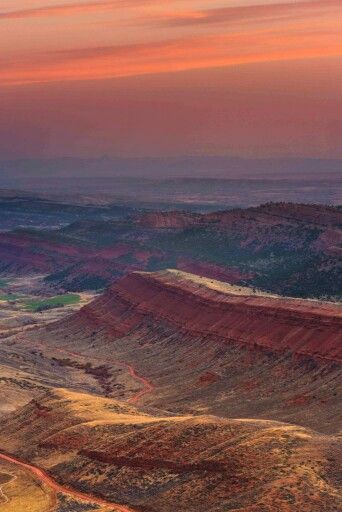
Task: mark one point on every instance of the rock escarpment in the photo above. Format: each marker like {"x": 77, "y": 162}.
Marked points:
{"x": 169, "y": 220}
{"x": 208, "y": 308}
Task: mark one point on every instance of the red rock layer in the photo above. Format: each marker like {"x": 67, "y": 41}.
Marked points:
{"x": 302, "y": 327}
{"x": 169, "y": 220}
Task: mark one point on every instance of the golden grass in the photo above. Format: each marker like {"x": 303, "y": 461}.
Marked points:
{"x": 227, "y": 288}
{"x": 218, "y": 286}
{"x": 95, "y": 410}
{"x": 24, "y": 493}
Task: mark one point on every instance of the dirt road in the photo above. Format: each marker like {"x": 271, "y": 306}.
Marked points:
{"x": 72, "y": 493}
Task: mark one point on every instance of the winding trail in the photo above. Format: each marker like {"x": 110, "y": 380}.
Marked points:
{"x": 41, "y": 475}
{"x": 3, "y": 496}
{"x": 147, "y": 385}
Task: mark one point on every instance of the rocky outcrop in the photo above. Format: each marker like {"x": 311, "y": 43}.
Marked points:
{"x": 268, "y": 214}
{"x": 169, "y": 220}
{"x": 207, "y": 308}
{"x": 289, "y": 249}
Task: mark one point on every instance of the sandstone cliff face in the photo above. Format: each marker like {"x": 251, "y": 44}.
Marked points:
{"x": 200, "y": 307}
{"x": 268, "y": 214}
{"x": 271, "y": 223}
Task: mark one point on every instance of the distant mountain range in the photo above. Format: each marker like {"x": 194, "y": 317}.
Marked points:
{"x": 168, "y": 167}
{"x": 188, "y": 180}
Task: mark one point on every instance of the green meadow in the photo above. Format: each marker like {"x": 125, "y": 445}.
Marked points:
{"x": 59, "y": 300}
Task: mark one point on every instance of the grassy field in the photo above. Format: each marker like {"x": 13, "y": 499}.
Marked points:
{"x": 59, "y": 300}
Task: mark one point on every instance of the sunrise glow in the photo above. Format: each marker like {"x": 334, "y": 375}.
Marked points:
{"x": 52, "y": 48}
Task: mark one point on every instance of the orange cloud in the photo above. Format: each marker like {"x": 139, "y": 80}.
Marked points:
{"x": 174, "y": 55}
{"x": 308, "y": 29}
{"x": 174, "y": 17}
{"x": 58, "y": 9}
{"x": 254, "y": 13}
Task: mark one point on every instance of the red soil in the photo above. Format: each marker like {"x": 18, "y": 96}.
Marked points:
{"x": 44, "y": 411}
{"x": 207, "y": 378}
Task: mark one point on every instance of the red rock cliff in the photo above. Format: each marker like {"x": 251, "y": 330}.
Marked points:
{"x": 206, "y": 308}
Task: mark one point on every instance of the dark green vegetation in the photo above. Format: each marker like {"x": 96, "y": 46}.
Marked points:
{"x": 36, "y": 212}
{"x": 287, "y": 267}
{"x": 79, "y": 284}
{"x": 285, "y": 248}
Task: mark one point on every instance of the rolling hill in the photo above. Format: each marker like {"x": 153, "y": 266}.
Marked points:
{"x": 159, "y": 463}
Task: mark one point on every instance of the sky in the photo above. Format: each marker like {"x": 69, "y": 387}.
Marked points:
{"x": 251, "y": 78}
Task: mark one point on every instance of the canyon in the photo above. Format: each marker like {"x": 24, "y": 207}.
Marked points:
{"x": 185, "y": 388}
{"x": 167, "y": 391}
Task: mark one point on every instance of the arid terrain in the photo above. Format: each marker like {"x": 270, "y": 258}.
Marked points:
{"x": 189, "y": 388}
